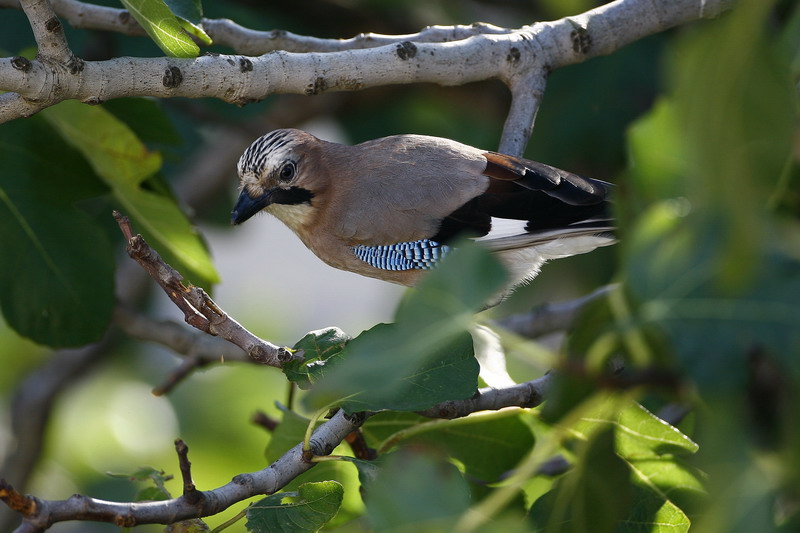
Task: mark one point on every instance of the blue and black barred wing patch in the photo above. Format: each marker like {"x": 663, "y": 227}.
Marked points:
{"x": 415, "y": 255}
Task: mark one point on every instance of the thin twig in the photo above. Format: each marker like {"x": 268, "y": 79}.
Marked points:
{"x": 199, "y": 310}
{"x": 260, "y": 418}
{"x": 551, "y": 317}
{"x": 190, "y": 492}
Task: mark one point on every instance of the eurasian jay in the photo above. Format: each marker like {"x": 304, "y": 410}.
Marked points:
{"x": 390, "y": 208}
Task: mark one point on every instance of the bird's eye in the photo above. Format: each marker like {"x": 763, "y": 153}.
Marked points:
{"x": 287, "y": 171}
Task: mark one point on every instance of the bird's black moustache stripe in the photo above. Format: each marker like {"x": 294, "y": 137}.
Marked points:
{"x": 291, "y": 196}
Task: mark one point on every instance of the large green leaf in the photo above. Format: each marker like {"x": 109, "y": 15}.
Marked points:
{"x": 375, "y": 372}
{"x": 416, "y": 492}
{"x": 650, "y": 452}
{"x": 163, "y": 27}
{"x": 307, "y": 510}
{"x": 595, "y": 496}
{"x": 426, "y": 357}
{"x": 488, "y": 445}
{"x": 56, "y": 275}
{"x": 639, "y": 433}
{"x": 709, "y": 262}
{"x": 124, "y": 163}
{"x": 289, "y": 433}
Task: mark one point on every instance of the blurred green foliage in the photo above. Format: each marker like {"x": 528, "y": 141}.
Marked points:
{"x": 699, "y": 126}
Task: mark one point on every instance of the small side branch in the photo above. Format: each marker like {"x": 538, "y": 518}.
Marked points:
{"x": 48, "y": 31}
{"x": 528, "y": 394}
{"x": 190, "y": 492}
{"x": 551, "y": 317}
{"x": 526, "y": 96}
{"x": 199, "y": 310}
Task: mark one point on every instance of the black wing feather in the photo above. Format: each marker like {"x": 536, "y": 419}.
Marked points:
{"x": 546, "y": 197}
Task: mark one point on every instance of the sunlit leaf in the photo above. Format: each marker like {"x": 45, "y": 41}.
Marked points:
{"x": 162, "y": 26}
{"x": 488, "y": 445}
{"x": 123, "y": 162}
{"x": 307, "y": 510}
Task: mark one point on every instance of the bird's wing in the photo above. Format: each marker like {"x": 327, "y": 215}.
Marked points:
{"x": 529, "y": 203}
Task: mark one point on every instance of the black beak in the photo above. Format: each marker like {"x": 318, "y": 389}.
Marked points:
{"x": 246, "y": 206}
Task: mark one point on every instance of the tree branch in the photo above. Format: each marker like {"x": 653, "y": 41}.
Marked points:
{"x": 199, "y": 310}
{"x": 48, "y": 32}
{"x": 39, "y": 514}
{"x": 491, "y": 53}
{"x": 551, "y": 317}
{"x": 528, "y": 394}
{"x": 199, "y": 350}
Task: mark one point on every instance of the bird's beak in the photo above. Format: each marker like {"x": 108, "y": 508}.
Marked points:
{"x": 247, "y": 206}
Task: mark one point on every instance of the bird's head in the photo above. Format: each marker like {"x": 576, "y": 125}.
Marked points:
{"x": 273, "y": 177}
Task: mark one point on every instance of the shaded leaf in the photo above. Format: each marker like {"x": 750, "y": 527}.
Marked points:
{"x": 310, "y": 508}
{"x": 373, "y": 372}
{"x": 416, "y": 492}
{"x": 158, "y": 491}
{"x": 191, "y": 10}
{"x": 290, "y": 432}
{"x": 146, "y": 118}
{"x": 594, "y": 496}
{"x": 56, "y": 275}
{"x": 426, "y": 356}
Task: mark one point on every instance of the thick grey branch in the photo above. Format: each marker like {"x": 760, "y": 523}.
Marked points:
{"x": 494, "y": 53}
{"x": 40, "y": 514}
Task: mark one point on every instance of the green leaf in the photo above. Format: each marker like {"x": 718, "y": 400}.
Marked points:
{"x": 146, "y": 118}
{"x": 162, "y": 26}
{"x": 317, "y": 347}
{"x": 389, "y": 381}
{"x": 310, "y": 508}
{"x": 416, "y": 492}
{"x": 712, "y": 326}
{"x": 124, "y": 163}
{"x": 109, "y": 145}
{"x": 460, "y": 286}
{"x": 56, "y": 276}
{"x": 650, "y": 449}
{"x": 594, "y": 496}
{"x": 158, "y": 491}
{"x": 196, "y": 30}
{"x": 639, "y": 432}
{"x": 425, "y": 357}
{"x": 488, "y": 445}
{"x": 290, "y": 432}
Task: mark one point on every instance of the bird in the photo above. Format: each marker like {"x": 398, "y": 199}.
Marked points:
{"x": 392, "y": 208}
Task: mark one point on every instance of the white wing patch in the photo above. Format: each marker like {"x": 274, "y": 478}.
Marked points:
{"x": 504, "y": 227}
